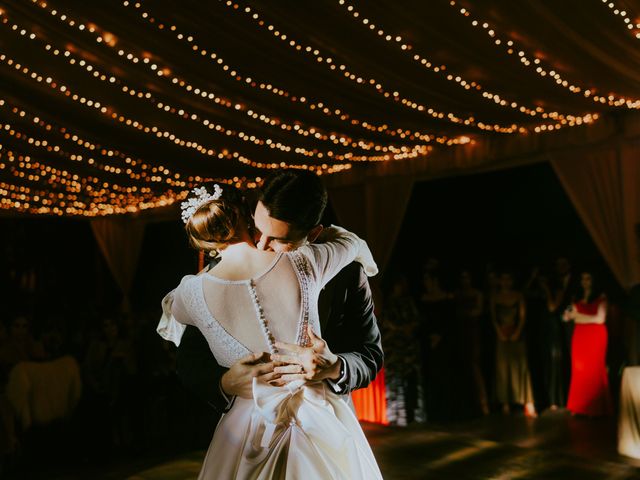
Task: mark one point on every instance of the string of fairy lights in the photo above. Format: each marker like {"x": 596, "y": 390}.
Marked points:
{"x": 396, "y": 153}
{"x": 631, "y": 25}
{"x": 165, "y": 107}
{"x": 561, "y": 120}
{"x": 442, "y": 70}
{"x": 102, "y": 197}
{"x": 319, "y": 106}
{"x": 81, "y": 195}
{"x": 158, "y": 173}
{"x": 537, "y": 64}
{"x": 50, "y": 147}
{"x": 50, "y": 169}
{"x": 111, "y": 113}
{"x": 75, "y": 183}
{"x": 136, "y": 169}
{"x": 163, "y": 71}
{"x": 329, "y": 62}
{"x": 118, "y": 202}
{"x": 348, "y": 73}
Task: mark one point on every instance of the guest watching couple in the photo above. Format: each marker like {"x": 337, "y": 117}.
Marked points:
{"x": 400, "y": 326}
{"x": 589, "y": 389}
{"x": 251, "y": 302}
{"x": 469, "y": 306}
{"x": 513, "y": 381}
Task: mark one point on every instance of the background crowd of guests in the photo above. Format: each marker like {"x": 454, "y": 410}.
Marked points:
{"x": 459, "y": 343}
{"x": 102, "y": 386}
{"x": 462, "y": 344}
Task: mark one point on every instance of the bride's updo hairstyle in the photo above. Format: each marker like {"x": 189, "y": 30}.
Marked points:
{"x": 216, "y": 213}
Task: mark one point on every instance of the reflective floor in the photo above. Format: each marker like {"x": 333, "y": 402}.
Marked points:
{"x": 552, "y": 446}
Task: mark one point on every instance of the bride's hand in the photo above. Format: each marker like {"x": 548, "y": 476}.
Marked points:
{"x": 315, "y": 362}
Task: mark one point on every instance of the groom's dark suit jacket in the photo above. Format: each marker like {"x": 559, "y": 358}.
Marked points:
{"x": 348, "y": 326}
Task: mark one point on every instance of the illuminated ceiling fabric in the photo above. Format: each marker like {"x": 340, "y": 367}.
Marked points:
{"x": 120, "y": 241}
{"x": 120, "y": 106}
{"x": 374, "y": 209}
{"x": 603, "y": 187}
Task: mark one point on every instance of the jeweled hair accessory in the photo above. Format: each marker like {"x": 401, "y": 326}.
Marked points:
{"x": 190, "y": 205}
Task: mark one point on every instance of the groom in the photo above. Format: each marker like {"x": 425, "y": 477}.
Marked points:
{"x": 349, "y": 354}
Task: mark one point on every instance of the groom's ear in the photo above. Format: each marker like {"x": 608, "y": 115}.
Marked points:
{"x": 313, "y": 234}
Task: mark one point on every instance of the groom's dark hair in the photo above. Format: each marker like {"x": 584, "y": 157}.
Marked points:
{"x": 296, "y": 197}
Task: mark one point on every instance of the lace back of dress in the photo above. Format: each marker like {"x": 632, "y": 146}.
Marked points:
{"x": 260, "y": 311}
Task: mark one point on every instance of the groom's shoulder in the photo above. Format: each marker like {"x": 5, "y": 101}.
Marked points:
{"x": 349, "y": 276}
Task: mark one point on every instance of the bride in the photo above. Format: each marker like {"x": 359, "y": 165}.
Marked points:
{"x": 252, "y": 297}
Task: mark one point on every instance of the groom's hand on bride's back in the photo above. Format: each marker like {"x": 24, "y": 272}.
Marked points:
{"x": 315, "y": 362}
{"x": 238, "y": 380}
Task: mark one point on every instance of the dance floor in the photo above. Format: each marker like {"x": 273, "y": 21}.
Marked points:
{"x": 553, "y": 446}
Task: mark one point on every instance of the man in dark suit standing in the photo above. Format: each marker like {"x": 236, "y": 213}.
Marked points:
{"x": 349, "y": 354}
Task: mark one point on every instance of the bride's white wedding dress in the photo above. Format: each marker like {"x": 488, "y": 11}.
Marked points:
{"x": 304, "y": 430}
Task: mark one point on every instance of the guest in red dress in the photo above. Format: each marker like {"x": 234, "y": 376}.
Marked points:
{"x": 589, "y": 391}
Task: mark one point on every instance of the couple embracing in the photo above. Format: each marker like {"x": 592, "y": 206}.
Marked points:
{"x": 277, "y": 333}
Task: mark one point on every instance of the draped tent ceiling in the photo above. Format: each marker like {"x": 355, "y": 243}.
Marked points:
{"x": 120, "y": 106}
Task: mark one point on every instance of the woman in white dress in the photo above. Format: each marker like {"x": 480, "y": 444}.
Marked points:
{"x": 252, "y": 301}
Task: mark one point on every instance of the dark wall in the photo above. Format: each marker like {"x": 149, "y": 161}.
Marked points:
{"x": 54, "y": 264}
{"x": 516, "y": 218}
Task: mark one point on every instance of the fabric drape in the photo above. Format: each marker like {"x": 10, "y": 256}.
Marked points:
{"x": 603, "y": 187}
{"x": 120, "y": 241}
{"x": 374, "y": 210}
{"x": 370, "y": 403}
